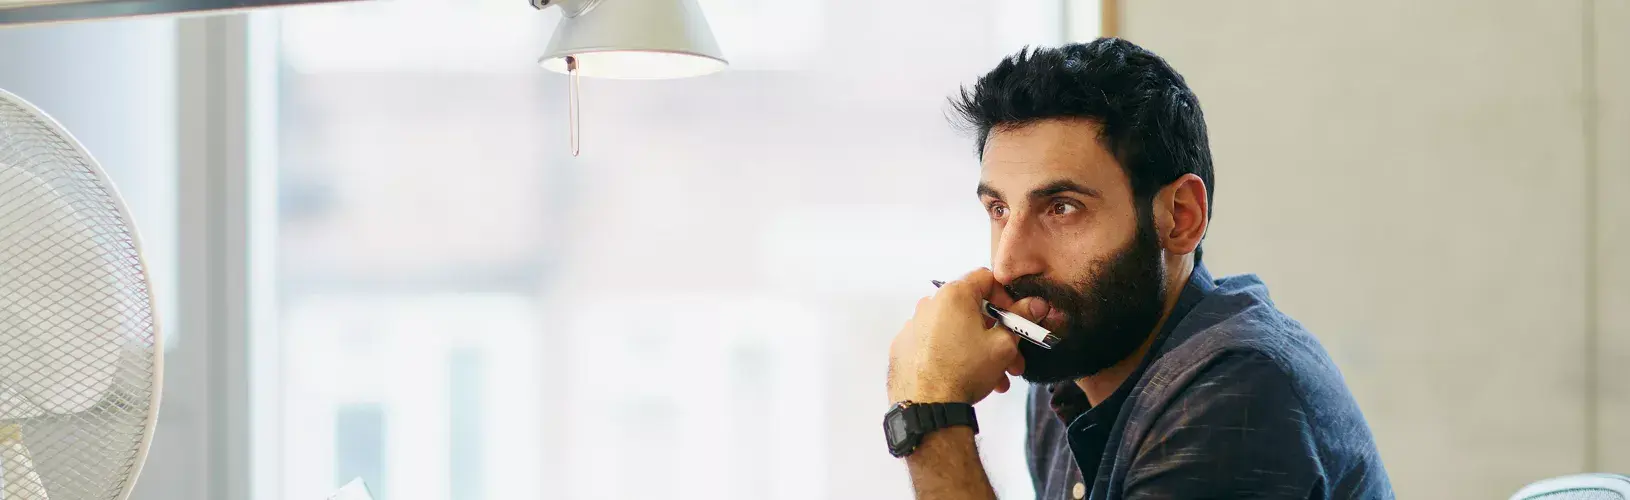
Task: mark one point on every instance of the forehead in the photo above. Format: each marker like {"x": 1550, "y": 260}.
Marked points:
{"x": 1019, "y": 159}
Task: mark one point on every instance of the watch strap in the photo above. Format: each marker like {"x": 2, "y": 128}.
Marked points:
{"x": 908, "y": 422}
{"x": 934, "y": 416}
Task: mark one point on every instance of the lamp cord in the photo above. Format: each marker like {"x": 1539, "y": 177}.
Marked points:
{"x": 572, "y": 107}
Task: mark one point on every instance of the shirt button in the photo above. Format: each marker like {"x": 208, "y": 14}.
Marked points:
{"x": 1079, "y": 491}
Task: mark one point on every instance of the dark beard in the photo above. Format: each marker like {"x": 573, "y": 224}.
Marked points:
{"x": 1106, "y": 318}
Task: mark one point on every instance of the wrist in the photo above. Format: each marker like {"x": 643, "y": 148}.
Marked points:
{"x": 933, "y": 443}
{"x": 907, "y": 423}
{"x": 928, "y": 393}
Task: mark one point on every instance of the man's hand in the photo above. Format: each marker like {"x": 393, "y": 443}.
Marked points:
{"x": 949, "y": 351}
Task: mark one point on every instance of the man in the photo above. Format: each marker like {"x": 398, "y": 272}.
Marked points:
{"x": 1164, "y": 382}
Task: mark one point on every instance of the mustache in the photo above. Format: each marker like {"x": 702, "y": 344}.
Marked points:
{"x": 1058, "y": 295}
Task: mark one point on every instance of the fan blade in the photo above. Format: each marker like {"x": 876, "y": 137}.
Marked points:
{"x": 18, "y": 481}
{"x": 61, "y": 300}
{"x": 13, "y": 407}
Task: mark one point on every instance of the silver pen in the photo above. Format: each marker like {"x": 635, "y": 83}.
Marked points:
{"x": 1015, "y": 323}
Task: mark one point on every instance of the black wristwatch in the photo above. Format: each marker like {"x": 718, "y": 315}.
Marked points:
{"x": 907, "y": 422}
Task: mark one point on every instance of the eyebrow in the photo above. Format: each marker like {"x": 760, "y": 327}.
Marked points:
{"x": 1051, "y": 189}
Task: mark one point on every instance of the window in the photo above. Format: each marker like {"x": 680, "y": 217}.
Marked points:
{"x": 698, "y": 307}
{"x": 421, "y": 394}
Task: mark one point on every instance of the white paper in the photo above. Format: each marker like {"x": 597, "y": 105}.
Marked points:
{"x": 354, "y": 490}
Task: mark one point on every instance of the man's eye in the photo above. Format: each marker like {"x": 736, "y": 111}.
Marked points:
{"x": 1062, "y": 208}
{"x": 998, "y": 211}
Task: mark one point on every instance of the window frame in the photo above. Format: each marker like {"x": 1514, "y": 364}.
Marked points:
{"x": 226, "y": 145}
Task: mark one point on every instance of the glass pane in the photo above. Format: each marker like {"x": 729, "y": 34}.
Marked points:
{"x": 699, "y": 306}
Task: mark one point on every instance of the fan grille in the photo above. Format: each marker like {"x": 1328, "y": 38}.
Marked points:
{"x": 78, "y": 353}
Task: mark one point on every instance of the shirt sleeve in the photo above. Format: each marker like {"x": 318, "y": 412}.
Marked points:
{"x": 1237, "y": 431}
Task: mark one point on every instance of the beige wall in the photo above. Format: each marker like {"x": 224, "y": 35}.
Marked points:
{"x": 1411, "y": 180}
{"x": 1612, "y": 71}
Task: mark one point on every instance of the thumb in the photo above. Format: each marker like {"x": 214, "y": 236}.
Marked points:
{"x": 1032, "y": 308}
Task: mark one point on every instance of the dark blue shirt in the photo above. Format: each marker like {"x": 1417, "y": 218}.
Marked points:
{"x": 1234, "y": 400}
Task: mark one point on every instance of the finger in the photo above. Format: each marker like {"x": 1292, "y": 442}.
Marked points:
{"x": 1016, "y": 367}
{"x": 1007, "y": 345}
{"x": 974, "y": 285}
{"x": 1003, "y": 303}
{"x": 999, "y": 297}
{"x": 982, "y": 279}
{"x": 1032, "y": 308}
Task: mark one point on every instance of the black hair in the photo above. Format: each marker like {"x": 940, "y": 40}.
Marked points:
{"x": 1151, "y": 122}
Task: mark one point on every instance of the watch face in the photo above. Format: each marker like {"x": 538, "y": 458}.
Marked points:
{"x": 897, "y": 428}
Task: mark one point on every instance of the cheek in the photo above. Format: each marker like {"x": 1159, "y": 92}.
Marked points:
{"x": 1082, "y": 251}
{"x": 1076, "y": 264}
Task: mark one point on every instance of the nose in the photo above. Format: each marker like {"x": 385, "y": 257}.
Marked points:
{"x": 1016, "y": 252}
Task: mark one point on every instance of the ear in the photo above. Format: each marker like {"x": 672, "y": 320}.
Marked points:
{"x": 1182, "y": 214}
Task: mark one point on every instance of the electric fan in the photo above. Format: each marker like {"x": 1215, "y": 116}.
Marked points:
{"x": 80, "y": 354}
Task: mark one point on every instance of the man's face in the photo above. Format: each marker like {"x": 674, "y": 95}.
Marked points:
{"x": 1065, "y": 228}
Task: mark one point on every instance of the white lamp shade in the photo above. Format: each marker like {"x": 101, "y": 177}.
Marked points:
{"x": 636, "y": 39}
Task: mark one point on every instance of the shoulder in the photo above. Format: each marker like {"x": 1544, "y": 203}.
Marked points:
{"x": 1240, "y": 390}
{"x": 1237, "y": 428}
{"x": 1234, "y": 384}
{"x": 1237, "y": 331}
{"x": 1244, "y": 366}
{"x": 1241, "y": 342}
{"x": 1237, "y": 313}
